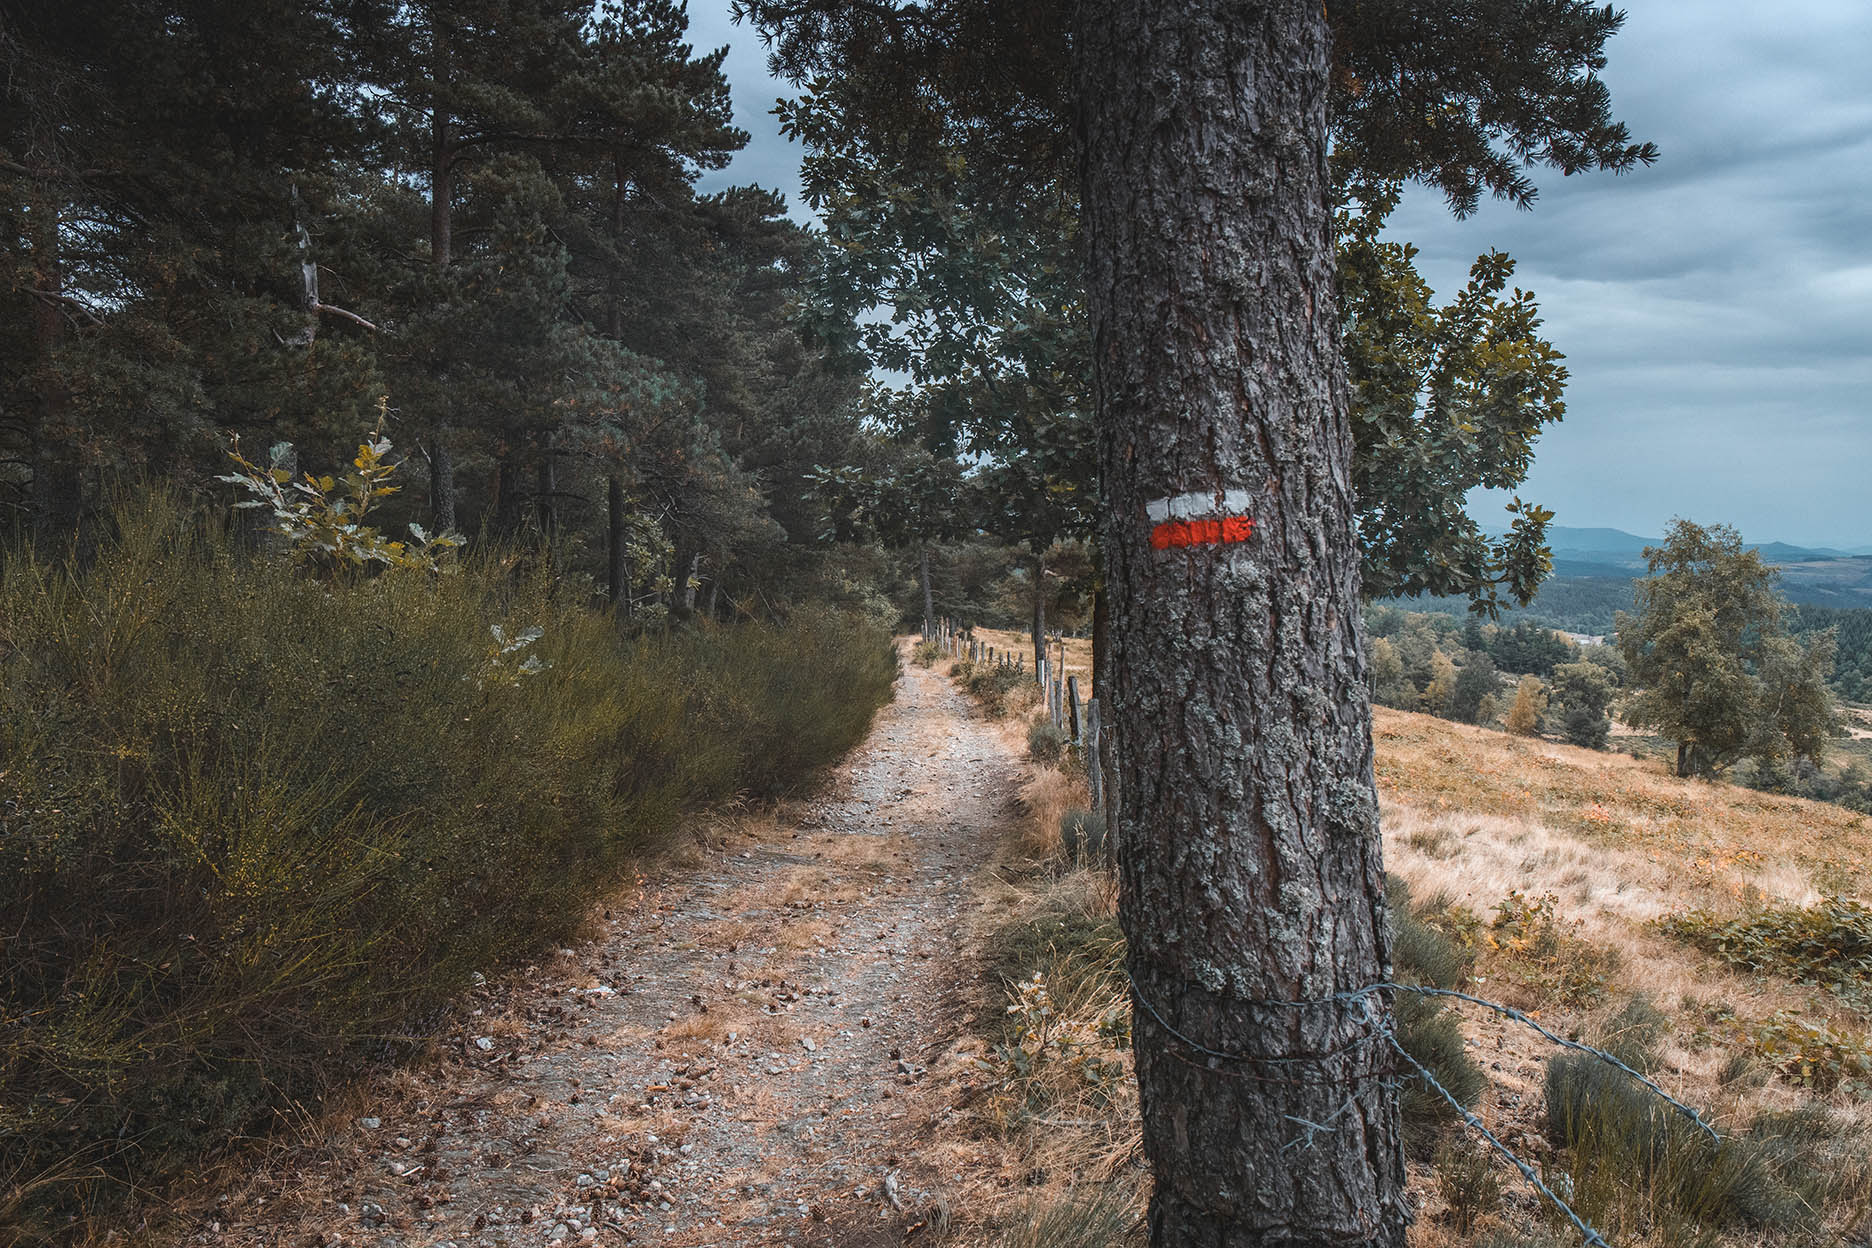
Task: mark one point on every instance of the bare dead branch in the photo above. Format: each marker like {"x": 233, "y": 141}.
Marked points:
{"x": 353, "y": 317}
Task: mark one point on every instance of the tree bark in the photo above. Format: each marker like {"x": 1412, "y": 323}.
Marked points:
{"x": 1039, "y": 614}
{"x": 929, "y": 599}
{"x": 506, "y": 490}
{"x": 614, "y": 299}
{"x": 441, "y": 244}
{"x": 57, "y": 498}
{"x": 441, "y": 481}
{"x": 441, "y": 176}
{"x": 683, "y": 569}
{"x": 617, "y": 587}
{"x": 546, "y": 491}
{"x": 1250, "y": 869}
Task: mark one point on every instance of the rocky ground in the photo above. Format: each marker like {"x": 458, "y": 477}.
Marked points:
{"x": 737, "y": 1055}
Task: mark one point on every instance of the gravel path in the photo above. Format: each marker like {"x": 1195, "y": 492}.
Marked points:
{"x": 736, "y": 1058}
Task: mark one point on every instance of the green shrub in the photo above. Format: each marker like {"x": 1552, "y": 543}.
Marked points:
{"x": 990, "y": 684}
{"x": 1829, "y": 943}
{"x": 925, "y": 653}
{"x": 1428, "y": 1029}
{"x": 1046, "y": 741}
{"x": 1635, "y": 1034}
{"x": 1631, "y": 1157}
{"x": 1812, "y": 1054}
{"x": 1081, "y": 958}
{"x": 1468, "y": 1178}
{"x": 1533, "y": 945}
{"x": 1107, "y": 1216}
{"x": 253, "y": 825}
{"x": 1524, "y": 1237}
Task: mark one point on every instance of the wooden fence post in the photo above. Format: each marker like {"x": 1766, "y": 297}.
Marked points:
{"x": 1072, "y": 709}
{"x": 1095, "y": 771}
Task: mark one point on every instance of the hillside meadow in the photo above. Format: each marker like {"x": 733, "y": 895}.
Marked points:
{"x": 1712, "y": 936}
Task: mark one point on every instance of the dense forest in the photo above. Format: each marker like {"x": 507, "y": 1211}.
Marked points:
{"x": 409, "y": 516}
{"x": 476, "y": 227}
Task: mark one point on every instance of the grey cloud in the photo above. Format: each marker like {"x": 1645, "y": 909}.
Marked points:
{"x": 1716, "y": 309}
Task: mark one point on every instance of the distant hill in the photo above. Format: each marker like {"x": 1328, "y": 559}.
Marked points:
{"x": 1594, "y": 568}
{"x": 1619, "y": 549}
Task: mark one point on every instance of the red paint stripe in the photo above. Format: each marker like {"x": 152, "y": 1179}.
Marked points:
{"x": 1217, "y": 532}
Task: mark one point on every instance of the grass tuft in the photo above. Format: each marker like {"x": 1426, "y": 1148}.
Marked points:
{"x": 1106, "y": 1217}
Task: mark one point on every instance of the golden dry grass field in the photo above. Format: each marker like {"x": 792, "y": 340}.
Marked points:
{"x": 1557, "y": 869}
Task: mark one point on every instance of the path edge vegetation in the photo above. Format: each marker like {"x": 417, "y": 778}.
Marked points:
{"x": 260, "y": 824}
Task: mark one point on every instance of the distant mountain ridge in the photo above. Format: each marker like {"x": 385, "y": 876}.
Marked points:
{"x": 1616, "y": 547}
{"x": 1813, "y": 575}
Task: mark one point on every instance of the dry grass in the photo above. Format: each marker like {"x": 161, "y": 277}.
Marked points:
{"x": 1617, "y": 843}
{"x": 1727, "y": 839}
{"x": 1475, "y": 816}
{"x": 1078, "y": 652}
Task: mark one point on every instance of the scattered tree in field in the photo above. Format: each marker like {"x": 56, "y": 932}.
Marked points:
{"x": 1530, "y": 702}
{"x": 1582, "y": 699}
{"x": 1528, "y": 647}
{"x": 1709, "y": 654}
{"x": 1389, "y": 685}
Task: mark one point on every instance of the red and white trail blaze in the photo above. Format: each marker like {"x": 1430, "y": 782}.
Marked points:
{"x": 1204, "y": 518}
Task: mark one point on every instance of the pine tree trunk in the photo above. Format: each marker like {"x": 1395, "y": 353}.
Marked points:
{"x": 57, "y": 498}
{"x": 617, "y": 587}
{"x": 682, "y": 594}
{"x": 1039, "y": 614}
{"x": 441, "y": 186}
{"x": 1250, "y": 867}
{"x": 929, "y": 599}
{"x": 506, "y": 490}
{"x": 546, "y": 491}
{"x": 441, "y": 245}
{"x": 441, "y": 481}
{"x": 614, "y": 301}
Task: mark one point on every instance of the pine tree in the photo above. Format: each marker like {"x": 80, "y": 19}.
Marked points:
{"x": 1210, "y": 646}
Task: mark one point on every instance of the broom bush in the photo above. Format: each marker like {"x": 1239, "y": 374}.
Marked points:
{"x": 255, "y": 825}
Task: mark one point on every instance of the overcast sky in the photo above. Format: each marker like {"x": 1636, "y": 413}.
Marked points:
{"x": 1715, "y": 309}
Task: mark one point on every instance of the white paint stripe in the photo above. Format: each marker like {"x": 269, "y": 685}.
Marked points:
{"x": 1202, "y": 503}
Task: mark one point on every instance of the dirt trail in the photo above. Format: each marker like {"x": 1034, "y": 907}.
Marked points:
{"x": 737, "y": 1058}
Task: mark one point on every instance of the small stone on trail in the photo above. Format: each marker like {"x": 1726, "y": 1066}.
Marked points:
{"x": 484, "y": 1043}
{"x": 370, "y": 1124}
{"x": 806, "y": 1042}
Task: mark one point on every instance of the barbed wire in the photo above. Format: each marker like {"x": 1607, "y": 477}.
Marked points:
{"x": 1382, "y": 1031}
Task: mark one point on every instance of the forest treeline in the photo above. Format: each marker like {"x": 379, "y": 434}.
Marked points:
{"x": 276, "y": 783}
{"x": 267, "y": 219}
{"x": 261, "y": 818}
{"x": 1590, "y": 605}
